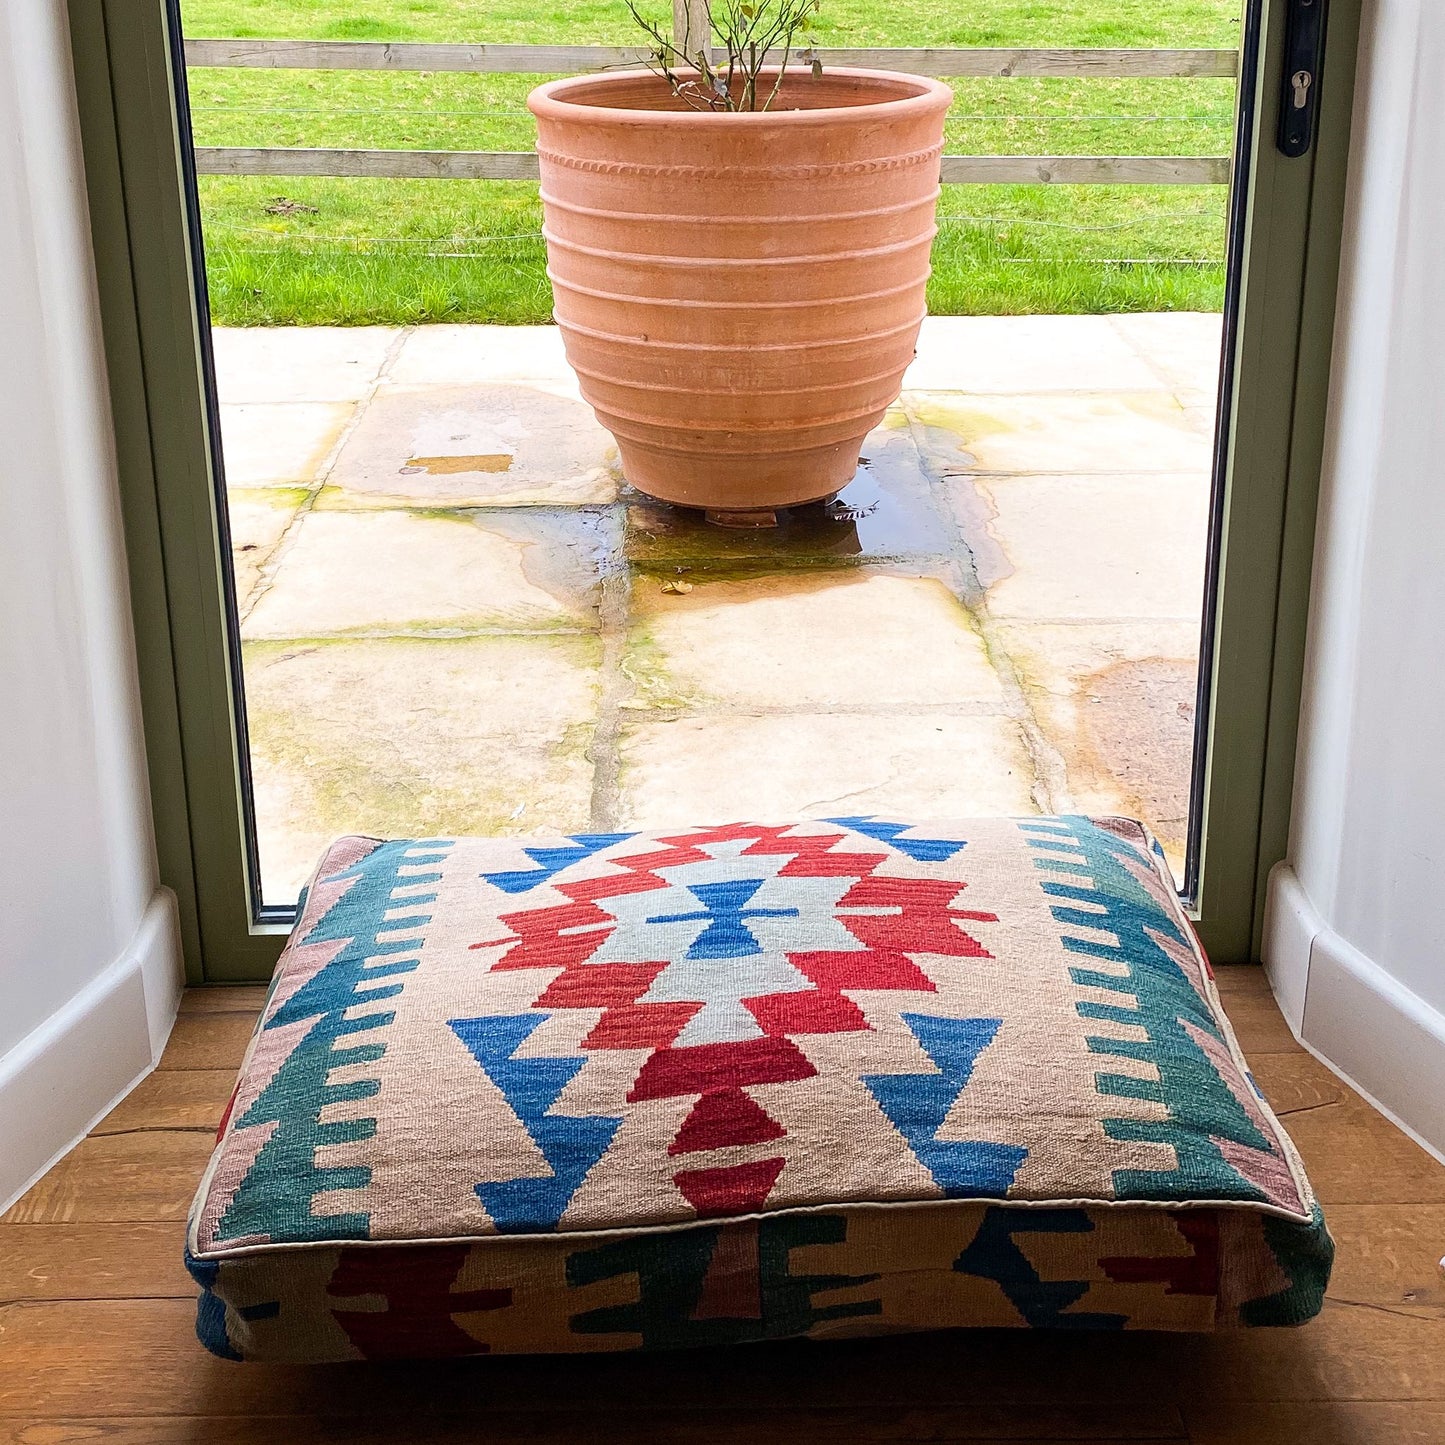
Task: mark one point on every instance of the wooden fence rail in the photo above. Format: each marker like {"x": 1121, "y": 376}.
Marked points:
{"x": 522, "y": 166}
{"x": 567, "y": 59}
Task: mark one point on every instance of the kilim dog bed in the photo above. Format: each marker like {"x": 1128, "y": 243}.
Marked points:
{"x": 643, "y": 1090}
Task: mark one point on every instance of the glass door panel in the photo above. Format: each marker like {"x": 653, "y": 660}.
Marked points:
{"x": 448, "y": 609}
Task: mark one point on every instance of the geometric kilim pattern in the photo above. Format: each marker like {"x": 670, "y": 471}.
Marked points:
{"x": 709, "y": 954}
{"x": 570, "y": 1145}
{"x": 354, "y": 959}
{"x": 717, "y": 1084}
{"x": 918, "y": 1105}
{"x": 739, "y": 1282}
{"x": 1112, "y": 914}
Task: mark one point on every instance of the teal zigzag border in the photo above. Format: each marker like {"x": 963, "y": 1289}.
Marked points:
{"x": 276, "y": 1195}
{"x": 1160, "y": 999}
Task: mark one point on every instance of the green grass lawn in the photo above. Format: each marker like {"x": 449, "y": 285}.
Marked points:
{"x": 337, "y": 251}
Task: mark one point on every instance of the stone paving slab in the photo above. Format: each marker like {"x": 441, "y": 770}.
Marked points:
{"x": 703, "y": 769}
{"x": 479, "y": 355}
{"x": 811, "y": 643}
{"x": 1111, "y": 432}
{"x": 1086, "y": 547}
{"x": 1182, "y": 347}
{"x": 1117, "y": 701}
{"x": 258, "y": 519}
{"x": 456, "y": 618}
{"x": 495, "y": 444}
{"x": 955, "y": 353}
{"x": 403, "y": 572}
{"x": 300, "y": 363}
{"x": 409, "y": 737}
{"x": 983, "y": 355}
{"x": 280, "y": 444}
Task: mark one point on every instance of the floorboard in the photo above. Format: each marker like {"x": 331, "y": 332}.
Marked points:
{"x": 172, "y": 1099}
{"x": 149, "y": 1175}
{"x": 209, "y": 1040}
{"x": 97, "y": 1314}
{"x": 637, "y": 1428}
{"x": 92, "y": 1261}
{"x": 244, "y": 998}
{"x": 1370, "y": 1422}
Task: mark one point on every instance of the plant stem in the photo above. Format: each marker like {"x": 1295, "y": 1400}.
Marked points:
{"x": 748, "y": 31}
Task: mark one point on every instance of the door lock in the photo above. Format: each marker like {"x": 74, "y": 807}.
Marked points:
{"x": 1299, "y": 92}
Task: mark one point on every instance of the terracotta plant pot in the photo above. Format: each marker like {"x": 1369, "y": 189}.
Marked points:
{"x": 739, "y": 293}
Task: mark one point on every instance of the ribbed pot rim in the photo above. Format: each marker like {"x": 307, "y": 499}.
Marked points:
{"x": 921, "y": 95}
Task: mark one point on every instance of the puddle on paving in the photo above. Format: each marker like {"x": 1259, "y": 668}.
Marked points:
{"x": 948, "y": 464}
{"x": 564, "y": 550}
{"x": 886, "y": 512}
{"x": 905, "y": 506}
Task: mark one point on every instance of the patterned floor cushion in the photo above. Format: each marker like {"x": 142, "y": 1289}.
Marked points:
{"x": 722, "y": 1084}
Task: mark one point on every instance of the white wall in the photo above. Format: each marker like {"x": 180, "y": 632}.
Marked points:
{"x": 1356, "y": 934}
{"x": 89, "y": 960}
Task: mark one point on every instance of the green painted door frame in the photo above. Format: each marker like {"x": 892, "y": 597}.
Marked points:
{"x": 135, "y": 178}
{"x": 136, "y": 175}
{"x": 1294, "y": 215}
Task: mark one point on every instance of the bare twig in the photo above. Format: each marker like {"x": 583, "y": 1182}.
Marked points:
{"x": 747, "y": 31}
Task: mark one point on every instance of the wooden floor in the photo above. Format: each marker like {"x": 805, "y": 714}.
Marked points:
{"x": 97, "y": 1343}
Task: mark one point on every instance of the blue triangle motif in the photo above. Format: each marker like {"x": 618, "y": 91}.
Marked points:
{"x": 921, "y": 850}
{"x": 571, "y": 1144}
{"x": 917, "y": 1104}
{"x": 551, "y": 861}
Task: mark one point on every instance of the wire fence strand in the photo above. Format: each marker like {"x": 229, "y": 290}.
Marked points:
{"x": 382, "y": 111}
{"x": 1132, "y": 222}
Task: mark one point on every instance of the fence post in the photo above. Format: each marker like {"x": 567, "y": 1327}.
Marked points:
{"x": 691, "y": 26}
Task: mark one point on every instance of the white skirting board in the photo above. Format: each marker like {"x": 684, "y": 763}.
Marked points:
{"x": 68, "y": 1073}
{"x": 1380, "y": 1038}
